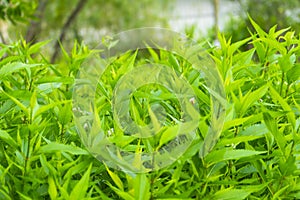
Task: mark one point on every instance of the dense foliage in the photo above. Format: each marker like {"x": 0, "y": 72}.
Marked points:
{"x": 266, "y": 13}
{"x": 257, "y": 156}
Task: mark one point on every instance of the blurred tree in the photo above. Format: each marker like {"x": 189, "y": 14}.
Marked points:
{"x": 90, "y": 20}
{"x": 266, "y": 14}
{"x": 70, "y": 19}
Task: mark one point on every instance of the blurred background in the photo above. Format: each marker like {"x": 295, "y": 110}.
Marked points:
{"x": 91, "y": 20}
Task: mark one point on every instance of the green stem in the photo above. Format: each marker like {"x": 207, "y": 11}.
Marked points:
{"x": 26, "y": 163}
{"x": 282, "y": 81}
{"x": 62, "y": 132}
{"x": 287, "y": 90}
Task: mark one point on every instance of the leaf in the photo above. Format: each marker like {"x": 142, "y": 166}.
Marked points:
{"x": 293, "y": 74}
{"x": 234, "y": 122}
{"x": 36, "y": 47}
{"x": 280, "y": 193}
{"x": 242, "y": 59}
{"x": 252, "y": 97}
{"x": 44, "y": 108}
{"x": 23, "y": 196}
{"x": 128, "y": 64}
{"x": 53, "y": 79}
{"x": 64, "y": 113}
{"x": 52, "y": 190}
{"x": 115, "y": 178}
{"x": 8, "y": 139}
{"x": 259, "y": 30}
{"x": 271, "y": 124}
{"x": 169, "y": 134}
{"x": 281, "y": 31}
{"x": 54, "y": 147}
{"x": 33, "y": 101}
{"x": 141, "y": 187}
{"x": 124, "y": 195}
{"x": 260, "y": 50}
{"x": 46, "y": 88}
{"x": 202, "y": 96}
{"x": 229, "y": 154}
{"x": 255, "y": 130}
{"x": 16, "y": 101}
{"x": 277, "y": 98}
{"x": 155, "y": 122}
{"x": 239, "y": 139}
{"x": 80, "y": 189}
{"x": 153, "y": 54}
{"x": 234, "y": 47}
{"x": 231, "y": 194}
{"x": 286, "y": 62}
{"x": 13, "y": 67}
{"x": 274, "y": 44}
{"x": 174, "y": 62}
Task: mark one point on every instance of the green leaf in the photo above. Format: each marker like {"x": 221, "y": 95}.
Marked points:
{"x": 47, "y": 107}
{"x": 80, "y": 189}
{"x": 128, "y": 64}
{"x": 235, "y": 46}
{"x": 229, "y": 154}
{"x": 280, "y": 193}
{"x": 231, "y": 194}
{"x": 36, "y": 47}
{"x": 13, "y": 67}
{"x": 235, "y": 122}
{"x": 52, "y": 190}
{"x": 115, "y": 178}
{"x": 53, "y": 79}
{"x": 155, "y": 122}
{"x": 252, "y": 97}
{"x": 259, "y": 30}
{"x": 33, "y": 100}
{"x": 23, "y": 196}
{"x": 153, "y": 54}
{"x": 261, "y": 50}
{"x": 169, "y": 134}
{"x": 16, "y": 101}
{"x": 286, "y": 62}
{"x": 274, "y": 44}
{"x": 8, "y": 139}
{"x": 174, "y": 62}
{"x": 64, "y": 114}
{"x": 293, "y": 74}
{"x": 239, "y": 139}
{"x": 124, "y": 195}
{"x": 141, "y": 187}
{"x": 55, "y": 147}
{"x": 277, "y": 98}
{"x": 271, "y": 124}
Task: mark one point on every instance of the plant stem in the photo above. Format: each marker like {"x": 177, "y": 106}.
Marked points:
{"x": 62, "y": 133}
{"x": 281, "y": 84}
{"x": 2, "y": 38}
{"x": 287, "y": 90}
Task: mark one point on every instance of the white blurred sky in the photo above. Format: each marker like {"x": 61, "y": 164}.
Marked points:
{"x": 201, "y": 13}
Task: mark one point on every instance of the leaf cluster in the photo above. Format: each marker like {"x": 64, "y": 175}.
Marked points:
{"x": 256, "y": 157}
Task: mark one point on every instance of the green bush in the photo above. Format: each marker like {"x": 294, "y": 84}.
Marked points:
{"x": 256, "y": 157}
